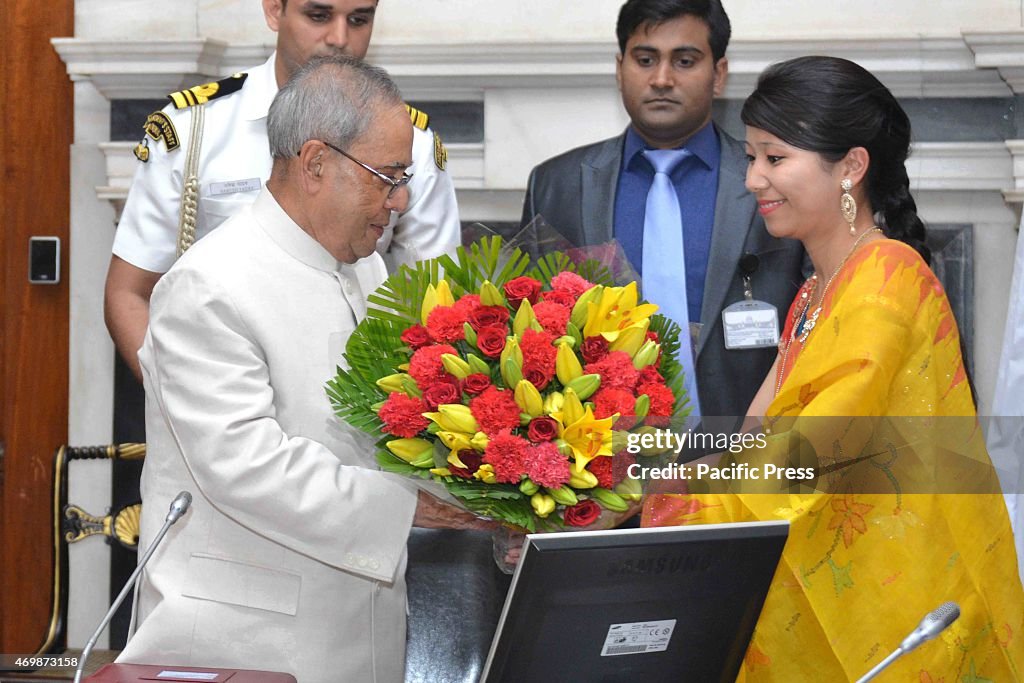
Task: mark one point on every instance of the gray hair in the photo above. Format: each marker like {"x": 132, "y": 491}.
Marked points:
{"x": 330, "y": 98}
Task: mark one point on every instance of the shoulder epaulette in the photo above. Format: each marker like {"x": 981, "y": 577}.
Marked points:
{"x": 419, "y": 118}
{"x": 201, "y": 94}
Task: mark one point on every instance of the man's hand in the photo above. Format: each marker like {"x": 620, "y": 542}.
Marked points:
{"x": 431, "y": 513}
{"x": 126, "y": 308}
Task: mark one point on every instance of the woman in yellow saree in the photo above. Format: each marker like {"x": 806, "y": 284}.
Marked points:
{"x": 870, "y": 356}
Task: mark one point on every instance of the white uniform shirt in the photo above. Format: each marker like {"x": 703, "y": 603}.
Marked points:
{"x": 234, "y": 162}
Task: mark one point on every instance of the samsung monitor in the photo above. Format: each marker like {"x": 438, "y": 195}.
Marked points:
{"x": 671, "y": 604}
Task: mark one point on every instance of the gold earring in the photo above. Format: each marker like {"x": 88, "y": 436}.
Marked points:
{"x": 848, "y": 205}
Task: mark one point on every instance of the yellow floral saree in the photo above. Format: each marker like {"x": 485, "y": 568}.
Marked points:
{"x": 865, "y": 561}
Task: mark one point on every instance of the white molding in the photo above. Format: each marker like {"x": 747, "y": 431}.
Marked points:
{"x": 918, "y": 67}
{"x": 1001, "y": 50}
{"x": 932, "y": 166}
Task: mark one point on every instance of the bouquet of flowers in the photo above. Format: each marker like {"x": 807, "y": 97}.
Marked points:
{"x": 512, "y": 383}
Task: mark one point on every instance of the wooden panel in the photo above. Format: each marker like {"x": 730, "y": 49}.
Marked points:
{"x": 36, "y": 118}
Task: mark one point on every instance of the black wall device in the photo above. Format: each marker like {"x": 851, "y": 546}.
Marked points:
{"x": 44, "y": 260}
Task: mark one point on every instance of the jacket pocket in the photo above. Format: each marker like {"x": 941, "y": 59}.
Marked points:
{"x": 241, "y": 583}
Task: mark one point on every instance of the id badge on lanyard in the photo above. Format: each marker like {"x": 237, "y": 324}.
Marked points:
{"x": 750, "y": 324}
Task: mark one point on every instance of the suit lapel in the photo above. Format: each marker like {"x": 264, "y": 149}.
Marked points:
{"x": 599, "y": 176}
{"x": 734, "y": 213}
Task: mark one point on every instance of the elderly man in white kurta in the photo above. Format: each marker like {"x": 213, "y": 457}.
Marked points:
{"x": 292, "y": 557}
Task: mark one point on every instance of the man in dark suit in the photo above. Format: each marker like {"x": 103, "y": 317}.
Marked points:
{"x": 670, "y": 66}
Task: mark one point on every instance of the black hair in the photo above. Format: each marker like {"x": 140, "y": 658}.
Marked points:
{"x": 829, "y": 106}
{"x": 636, "y": 14}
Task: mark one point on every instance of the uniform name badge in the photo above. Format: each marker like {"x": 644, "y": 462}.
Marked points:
{"x": 750, "y": 324}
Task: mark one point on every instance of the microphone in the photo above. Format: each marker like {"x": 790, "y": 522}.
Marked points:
{"x": 934, "y": 623}
{"x": 178, "y": 508}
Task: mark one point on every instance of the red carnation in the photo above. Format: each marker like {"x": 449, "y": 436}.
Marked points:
{"x": 581, "y": 514}
{"x": 520, "y": 288}
{"x": 467, "y": 304}
{"x": 417, "y": 337}
{"x": 594, "y": 349}
{"x": 650, "y": 375}
{"x": 610, "y": 400}
{"x": 552, "y": 317}
{"x": 602, "y": 469}
{"x": 508, "y": 455}
{"x": 476, "y": 383}
{"x": 662, "y": 400}
{"x": 402, "y": 415}
{"x": 620, "y": 465}
{"x": 542, "y": 429}
{"x": 538, "y": 355}
{"x": 571, "y": 283}
{"x": 440, "y": 393}
{"x": 445, "y": 324}
{"x": 616, "y": 371}
{"x": 495, "y": 410}
{"x": 426, "y": 368}
{"x": 560, "y": 297}
{"x": 471, "y": 459}
{"x": 652, "y": 336}
{"x": 485, "y": 316}
{"x": 547, "y": 467}
{"x": 491, "y": 340}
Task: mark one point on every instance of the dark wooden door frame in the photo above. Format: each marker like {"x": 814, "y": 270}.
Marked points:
{"x": 36, "y": 129}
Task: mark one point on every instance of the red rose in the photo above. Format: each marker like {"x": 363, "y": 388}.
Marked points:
{"x": 537, "y": 377}
{"x": 442, "y": 392}
{"x": 485, "y": 316}
{"x": 581, "y": 514}
{"x": 559, "y": 297}
{"x": 417, "y": 337}
{"x": 542, "y": 429}
{"x": 476, "y": 383}
{"x": 471, "y": 459}
{"x": 520, "y": 288}
{"x": 491, "y": 340}
{"x": 594, "y": 349}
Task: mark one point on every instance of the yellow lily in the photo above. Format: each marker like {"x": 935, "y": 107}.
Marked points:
{"x": 567, "y": 365}
{"x": 486, "y": 474}
{"x": 587, "y": 436}
{"x": 542, "y": 504}
{"x": 441, "y": 295}
{"x": 454, "y": 417}
{"x": 418, "y": 452}
{"x": 614, "y": 312}
{"x": 528, "y": 398}
{"x": 491, "y": 295}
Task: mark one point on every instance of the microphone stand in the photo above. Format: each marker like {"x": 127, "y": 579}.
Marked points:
{"x": 178, "y": 507}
